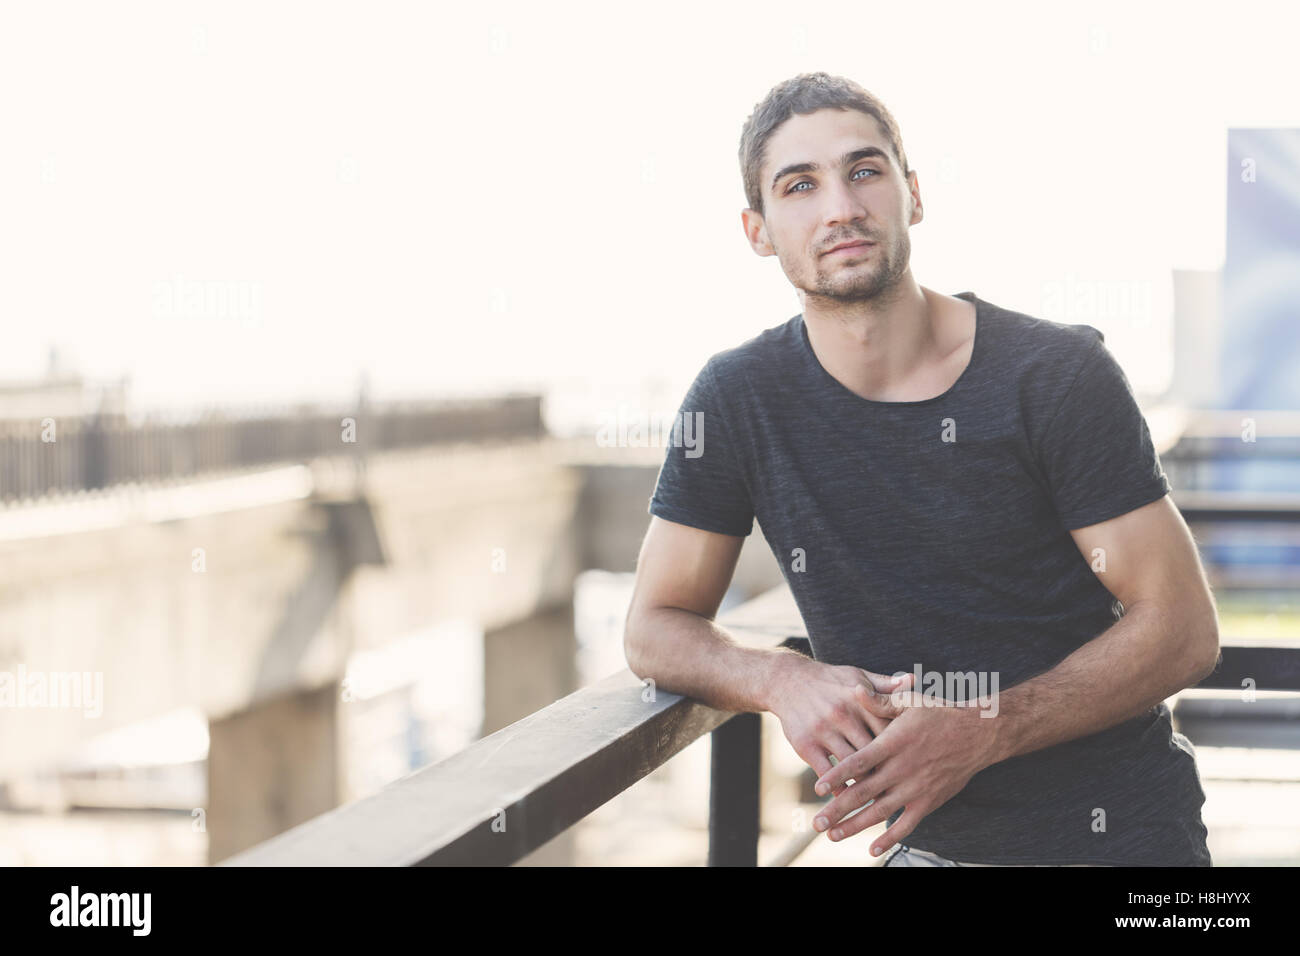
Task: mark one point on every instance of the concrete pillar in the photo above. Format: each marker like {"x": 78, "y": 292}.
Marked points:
{"x": 270, "y": 768}
{"x": 527, "y": 666}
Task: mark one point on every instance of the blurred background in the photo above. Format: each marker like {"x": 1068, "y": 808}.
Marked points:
{"x": 343, "y": 342}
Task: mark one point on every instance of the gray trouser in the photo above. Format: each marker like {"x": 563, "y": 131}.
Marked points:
{"x": 911, "y": 856}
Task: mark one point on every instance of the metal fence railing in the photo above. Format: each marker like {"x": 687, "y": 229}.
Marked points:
{"x": 508, "y": 794}
{"x": 48, "y": 456}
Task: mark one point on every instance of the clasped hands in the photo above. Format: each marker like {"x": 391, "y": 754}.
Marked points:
{"x": 894, "y": 748}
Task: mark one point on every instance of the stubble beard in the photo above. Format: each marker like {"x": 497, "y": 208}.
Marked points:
{"x": 861, "y": 282}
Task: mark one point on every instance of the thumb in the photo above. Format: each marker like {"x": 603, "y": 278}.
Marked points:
{"x": 880, "y": 704}
{"x": 888, "y": 685}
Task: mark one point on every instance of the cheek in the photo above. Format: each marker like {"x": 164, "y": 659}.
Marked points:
{"x": 789, "y": 251}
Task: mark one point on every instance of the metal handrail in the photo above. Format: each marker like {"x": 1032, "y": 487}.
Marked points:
{"x": 509, "y": 793}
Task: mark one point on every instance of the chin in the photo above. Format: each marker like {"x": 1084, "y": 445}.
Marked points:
{"x": 858, "y": 285}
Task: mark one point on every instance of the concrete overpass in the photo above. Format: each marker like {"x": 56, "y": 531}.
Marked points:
{"x": 245, "y": 594}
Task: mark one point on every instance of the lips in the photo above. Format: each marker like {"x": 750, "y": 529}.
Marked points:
{"x": 853, "y": 247}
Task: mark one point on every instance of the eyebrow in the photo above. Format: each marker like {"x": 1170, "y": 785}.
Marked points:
{"x": 852, "y": 156}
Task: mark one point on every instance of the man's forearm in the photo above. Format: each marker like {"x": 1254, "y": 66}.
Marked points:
{"x": 1142, "y": 659}
{"x": 687, "y": 654}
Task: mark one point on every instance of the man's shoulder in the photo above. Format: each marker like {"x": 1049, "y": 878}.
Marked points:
{"x": 768, "y": 349}
{"x": 1042, "y": 345}
{"x": 1036, "y": 362}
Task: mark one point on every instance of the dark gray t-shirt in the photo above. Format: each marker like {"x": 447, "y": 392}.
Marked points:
{"x": 935, "y": 534}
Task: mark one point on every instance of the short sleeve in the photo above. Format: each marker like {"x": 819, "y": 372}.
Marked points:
{"x": 702, "y": 483}
{"x": 1096, "y": 450}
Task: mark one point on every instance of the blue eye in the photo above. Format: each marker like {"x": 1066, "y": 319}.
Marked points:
{"x": 803, "y": 182}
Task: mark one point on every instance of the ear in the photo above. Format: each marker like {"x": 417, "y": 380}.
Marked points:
{"x": 914, "y": 188}
{"x": 756, "y": 232}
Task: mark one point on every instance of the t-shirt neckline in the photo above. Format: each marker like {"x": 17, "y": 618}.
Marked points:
{"x": 976, "y": 351}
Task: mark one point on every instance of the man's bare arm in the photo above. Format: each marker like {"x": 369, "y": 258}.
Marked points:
{"x": 670, "y": 637}
{"x": 1167, "y": 640}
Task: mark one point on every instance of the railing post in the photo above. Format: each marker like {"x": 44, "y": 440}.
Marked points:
{"x": 734, "y": 791}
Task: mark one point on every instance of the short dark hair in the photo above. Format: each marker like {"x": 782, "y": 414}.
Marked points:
{"x": 804, "y": 94}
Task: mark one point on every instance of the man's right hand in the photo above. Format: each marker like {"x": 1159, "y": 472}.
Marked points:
{"x": 832, "y": 710}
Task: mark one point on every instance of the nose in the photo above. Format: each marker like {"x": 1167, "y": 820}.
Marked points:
{"x": 843, "y": 204}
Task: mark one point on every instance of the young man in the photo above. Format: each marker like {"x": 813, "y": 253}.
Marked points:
{"x": 951, "y": 488}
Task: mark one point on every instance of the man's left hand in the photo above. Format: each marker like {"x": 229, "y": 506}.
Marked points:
{"x": 922, "y": 759}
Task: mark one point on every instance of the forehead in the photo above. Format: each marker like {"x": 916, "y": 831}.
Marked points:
{"x": 820, "y": 137}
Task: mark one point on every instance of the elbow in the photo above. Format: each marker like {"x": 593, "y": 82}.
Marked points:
{"x": 633, "y": 647}
{"x": 1206, "y": 655}
{"x": 634, "y": 663}
{"x": 643, "y": 643}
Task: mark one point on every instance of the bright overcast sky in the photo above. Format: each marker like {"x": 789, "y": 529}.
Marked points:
{"x": 526, "y": 194}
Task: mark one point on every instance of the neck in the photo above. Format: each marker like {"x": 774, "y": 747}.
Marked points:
{"x": 882, "y": 348}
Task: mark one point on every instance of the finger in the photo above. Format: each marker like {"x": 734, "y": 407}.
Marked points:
{"x": 900, "y": 683}
{"x": 856, "y": 733}
{"x": 887, "y": 706}
{"x": 817, "y": 758}
{"x": 866, "y": 818}
{"x": 855, "y": 767}
{"x": 854, "y": 799}
{"x": 842, "y": 750}
{"x": 819, "y": 754}
{"x": 899, "y": 831}
{"x": 875, "y": 724}
{"x": 885, "y": 684}
{"x": 858, "y": 741}
{"x": 836, "y": 744}
{"x": 839, "y": 747}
